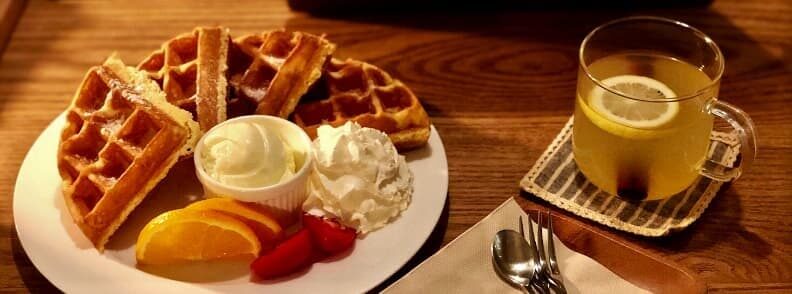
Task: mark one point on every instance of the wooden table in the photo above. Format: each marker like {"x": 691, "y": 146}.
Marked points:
{"x": 498, "y": 85}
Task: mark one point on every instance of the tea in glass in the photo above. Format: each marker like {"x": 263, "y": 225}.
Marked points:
{"x": 641, "y": 149}
{"x": 646, "y": 98}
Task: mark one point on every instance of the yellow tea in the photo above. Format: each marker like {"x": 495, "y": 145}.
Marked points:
{"x": 646, "y": 148}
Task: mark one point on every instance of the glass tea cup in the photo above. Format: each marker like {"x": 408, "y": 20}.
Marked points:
{"x": 645, "y": 104}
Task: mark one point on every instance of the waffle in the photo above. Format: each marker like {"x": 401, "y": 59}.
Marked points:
{"x": 356, "y": 91}
{"x": 191, "y": 69}
{"x": 269, "y": 72}
{"x": 120, "y": 139}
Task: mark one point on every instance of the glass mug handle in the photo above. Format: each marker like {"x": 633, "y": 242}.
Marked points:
{"x": 742, "y": 123}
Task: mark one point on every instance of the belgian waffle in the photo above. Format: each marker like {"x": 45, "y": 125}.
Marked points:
{"x": 191, "y": 69}
{"x": 120, "y": 139}
{"x": 269, "y": 72}
{"x": 356, "y": 91}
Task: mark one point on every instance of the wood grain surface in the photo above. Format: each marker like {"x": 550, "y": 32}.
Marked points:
{"x": 498, "y": 84}
{"x": 10, "y": 11}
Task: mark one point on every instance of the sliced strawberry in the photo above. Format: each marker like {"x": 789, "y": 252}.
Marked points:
{"x": 330, "y": 236}
{"x": 288, "y": 257}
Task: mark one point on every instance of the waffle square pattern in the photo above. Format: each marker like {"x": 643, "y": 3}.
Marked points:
{"x": 356, "y": 91}
{"x": 115, "y": 147}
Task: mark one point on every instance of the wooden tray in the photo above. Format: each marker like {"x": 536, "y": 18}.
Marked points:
{"x": 641, "y": 268}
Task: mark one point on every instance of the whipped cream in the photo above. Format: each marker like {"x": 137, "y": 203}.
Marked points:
{"x": 247, "y": 154}
{"x": 358, "y": 177}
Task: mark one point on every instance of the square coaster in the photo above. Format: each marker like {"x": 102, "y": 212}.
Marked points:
{"x": 556, "y": 178}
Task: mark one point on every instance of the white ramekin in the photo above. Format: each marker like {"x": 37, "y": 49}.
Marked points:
{"x": 284, "y": 198}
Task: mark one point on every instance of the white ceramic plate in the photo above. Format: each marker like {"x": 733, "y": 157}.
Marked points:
{"x": 59, "y": 250}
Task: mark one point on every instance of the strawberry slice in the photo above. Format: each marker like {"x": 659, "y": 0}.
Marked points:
{"x": 288, "y": 257}
{"x": 318, "y": 238}
{"x": 330, "y": 236}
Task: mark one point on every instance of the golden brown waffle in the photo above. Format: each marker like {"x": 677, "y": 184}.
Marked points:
{"x": 120, "y": 139}
{"x": 360, "y": 92}
{"x": 191, "y": 69}
{"x": 269, "y": 72}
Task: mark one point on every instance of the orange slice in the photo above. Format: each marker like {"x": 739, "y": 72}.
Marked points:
{"x": 263, "y": 224}
{"x": 188, "y": 235}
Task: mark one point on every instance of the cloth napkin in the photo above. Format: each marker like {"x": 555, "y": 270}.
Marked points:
{"x": 556, "y": 178}
{"x": 465, "y": 265}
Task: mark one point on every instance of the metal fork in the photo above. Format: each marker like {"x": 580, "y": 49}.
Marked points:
{"x": 535, "y": 285}
{"x": 548, "y": 270}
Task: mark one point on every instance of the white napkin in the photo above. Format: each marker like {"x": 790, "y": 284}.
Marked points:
{"x": 465, "y": 264}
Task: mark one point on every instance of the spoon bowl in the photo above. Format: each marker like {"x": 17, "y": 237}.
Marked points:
{"x": 512, "y": 258}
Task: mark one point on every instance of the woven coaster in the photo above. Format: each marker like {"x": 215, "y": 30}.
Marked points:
{"x": 556, "y": 179}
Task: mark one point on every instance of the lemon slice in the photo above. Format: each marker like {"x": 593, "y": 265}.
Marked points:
{"x": 635, "y": 113}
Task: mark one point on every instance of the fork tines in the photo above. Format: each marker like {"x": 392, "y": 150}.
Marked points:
{"x": 549, "y": 275}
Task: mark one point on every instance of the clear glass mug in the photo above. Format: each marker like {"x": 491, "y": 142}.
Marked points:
{"x": 646, "y": 98}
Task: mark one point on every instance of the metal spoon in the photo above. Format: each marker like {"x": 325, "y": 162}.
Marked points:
{"x": 512, "y": 259}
